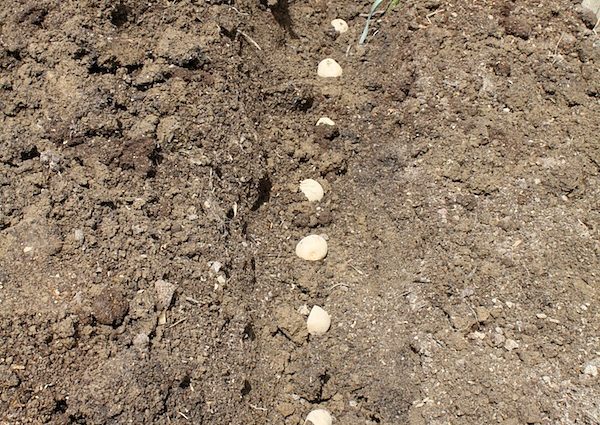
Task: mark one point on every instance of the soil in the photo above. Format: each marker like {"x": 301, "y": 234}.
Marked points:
{"x": 149, "y": 166}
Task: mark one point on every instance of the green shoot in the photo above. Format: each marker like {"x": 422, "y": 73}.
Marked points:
{"x": 374, "y": 7}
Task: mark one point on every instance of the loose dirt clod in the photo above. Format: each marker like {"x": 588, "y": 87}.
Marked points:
{"x": 329, "y": 68}
{"x": 319, "y": 417}
{"x": 312, "y": 189}
{"x": 325, "y": 121}
{"x": 312, "y": 248}
{"x": 110, "y": 307}
{"x": 593, "y": 6}
{"x": 318, "y": 321}
{"x": 339, "y": 25}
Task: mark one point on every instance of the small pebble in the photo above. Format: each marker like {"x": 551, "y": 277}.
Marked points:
{"x": 164, "y": 293}
{"x": 591, "y": 367}
{"x": 312, "y": 248}
{"x": 339, "y": 25}
{"x": 591, "y": 370}
{"x": 319, "y": 417}
{"x": 329, "y": 68}
{"x": 162, "y": 318}
{"x": 79, "y": 236}
{"x": 215, "y": 266}
{"x": 510, "y": 344}
{"x": 476, "y": 335}
{"x": 312, "y": 189}
{"x": 304, "y": 310}
{"x": 325, "y": 121}
{"x": 318, "y": 321}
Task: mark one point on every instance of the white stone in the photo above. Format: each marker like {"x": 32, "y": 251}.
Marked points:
{"x": 215, "y": 266}
{"x": 339, "y": 25}
{"x": 164, "y": 293}
{"x": 319, "y": 417}
{"x": 79, "y": 236}
{"x": 318, "y": 321}
{"x": 591, "y": 370}
{"x": 325, "y": 121}
{"x": 591, "y": 367}
{"x": 303, "y": 310}
{"x": 329, "y": 68}
{"x": 312, "y": 248}
{"x": 511, "y": 344}
{"x": 162, "y": 317}
{"x": 312, "y": 189}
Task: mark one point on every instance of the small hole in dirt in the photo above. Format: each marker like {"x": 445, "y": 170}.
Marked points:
{"x": 218, "y": 172}
{"x": 60, "y": 406}
{"x": 185, "y": 382}
{"x": 15, "y": 54}
{"x": 132, "y": 68}
{"x": 109, "y": 68}
{"x": 119, "y": 15}
{"x": 155, "y": 156}
{"x": 246, "y": 388}
{"x": 79, "y": 420}
{"x": 109, "y": 204}
{"x": 30, "y": 153}
{"x": 249, "y": 332}
{"x": 264, "y": 192}
{"x": 80, "y": 53}
{"x": 303, "y": 104}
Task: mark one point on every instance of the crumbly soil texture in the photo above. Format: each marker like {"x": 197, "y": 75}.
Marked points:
{"x": 150, "y": 156}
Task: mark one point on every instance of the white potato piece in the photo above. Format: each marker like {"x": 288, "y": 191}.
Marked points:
{"x": 339, "y": 25}
{"x": 329, "y": 68}
{"x": 312, "y": 189}
{"x": 318, "y": 417}
{"x": 312, "y": 248}
{"x": 318, "y": 321}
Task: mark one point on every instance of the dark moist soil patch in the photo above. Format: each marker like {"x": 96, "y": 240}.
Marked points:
{"x": 164, "y": 142}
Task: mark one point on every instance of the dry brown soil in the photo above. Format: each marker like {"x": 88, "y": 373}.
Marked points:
{"x": 152, "y": 146}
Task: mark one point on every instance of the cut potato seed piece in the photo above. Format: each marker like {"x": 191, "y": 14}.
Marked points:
{"x": 318, "y": 321}
{"x": 339, "y": 25}
{"x": 312, "y": 189}
{"x": 318, "y": 417}
{"x": 312, "y": 248}
{"x": 329, "y": 68}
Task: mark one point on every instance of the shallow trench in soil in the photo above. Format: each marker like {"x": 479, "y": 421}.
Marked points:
{"x": 150, "y": 160}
